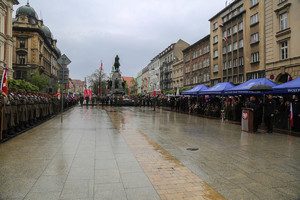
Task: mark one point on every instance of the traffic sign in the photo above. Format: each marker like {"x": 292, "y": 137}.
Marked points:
{"x": 64, "y": 61}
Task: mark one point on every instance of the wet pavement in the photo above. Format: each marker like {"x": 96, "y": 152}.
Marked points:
{"x": 137, "y": 153}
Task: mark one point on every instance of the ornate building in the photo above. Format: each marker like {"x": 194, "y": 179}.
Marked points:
{"x": 282, "y": 40}
{"x": 6, "y": 39}
{"x": 35, "y": 48}
{"x": 197, "y": 68}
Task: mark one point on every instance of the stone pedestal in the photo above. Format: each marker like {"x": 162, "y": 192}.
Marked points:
{"x": 117, "y": 90}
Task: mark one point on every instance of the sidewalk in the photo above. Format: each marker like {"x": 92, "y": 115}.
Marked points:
{"x": 85, "y": 158}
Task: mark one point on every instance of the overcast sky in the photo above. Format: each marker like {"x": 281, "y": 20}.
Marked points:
{"x": 89, "y": 31}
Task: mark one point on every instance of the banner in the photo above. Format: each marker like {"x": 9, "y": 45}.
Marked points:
{"x": 4, "y": 85}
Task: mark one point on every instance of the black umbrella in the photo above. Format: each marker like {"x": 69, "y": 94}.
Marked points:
{"x": 261, "y": 87}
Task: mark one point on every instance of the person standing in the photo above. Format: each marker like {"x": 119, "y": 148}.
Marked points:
{"x": 296, "y": 113}
{"x": 269, "y": 113}
{"x": 253, "y": 105}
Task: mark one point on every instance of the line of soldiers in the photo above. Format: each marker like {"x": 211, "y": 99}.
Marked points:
{"x": 25, "y": 109}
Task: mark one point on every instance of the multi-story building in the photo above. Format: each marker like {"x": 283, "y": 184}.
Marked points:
{"x": 178, "y": 74}
{"x": 197, "y": 68}
{"x": 139, "y": 82}
{"x": 282, "y": 39}
{"x": 35, "y": 49}
{"x": 237, "y": 42}
{"x": 78, "y": 86}
{"x": 145, "y": 80}
{"x": 6, "y": 39}
{"x": 154, "y": 73}
{"x": 167, "y": 58}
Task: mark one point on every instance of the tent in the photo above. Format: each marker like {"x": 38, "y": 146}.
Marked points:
{"x": 288, "y": 87}
{"x": 217, "y": 89}
{"x": 245, "y": 87}
{"x": 195, "y": 90}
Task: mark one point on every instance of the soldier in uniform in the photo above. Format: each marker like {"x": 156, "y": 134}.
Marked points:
{"x": 296, "y": 113}
{"x": 87, "y": 98}
{"x": 81, "y": 99}
{"x": 269, "y": 112}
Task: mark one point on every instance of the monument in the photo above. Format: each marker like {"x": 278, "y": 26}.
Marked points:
{"x": 116, "y": 86}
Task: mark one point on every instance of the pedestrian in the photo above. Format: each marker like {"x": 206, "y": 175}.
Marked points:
{"x": 253, "y": 105}
{"x": 296, "y": 113}
{"x": 269, "y": 112}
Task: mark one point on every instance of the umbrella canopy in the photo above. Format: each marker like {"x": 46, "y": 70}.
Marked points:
{"x": 244, "y": 88}
{"x": 288, "y": 87}
{"x": 195, "y": 90}
{"x": 261, "y": 87}
{"x": 220, "y": 88}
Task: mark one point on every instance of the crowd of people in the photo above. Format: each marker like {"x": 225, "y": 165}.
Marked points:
{"x": 22, "y": 110}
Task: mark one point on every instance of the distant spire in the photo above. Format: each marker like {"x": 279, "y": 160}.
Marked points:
{"x": 27, "y": 2}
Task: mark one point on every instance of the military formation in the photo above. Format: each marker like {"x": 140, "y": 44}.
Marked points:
{"x": 22, "y": 110}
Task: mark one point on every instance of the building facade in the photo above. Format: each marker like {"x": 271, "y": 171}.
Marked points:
{"x": 35, "y": 49}
{"x": 170, "y": 55}
{"x": 139, "y": 82}
{"x": 177, "y": 74}
{"x": 197, "y": 68}
{"x": 6, "y": 39}
{"x": 145, "y": 80}
{"x": 154, "y": 74}
{"x": 78, "y": 86}
{"x": 282, "y": 40}
{"x": 237, "y": 42}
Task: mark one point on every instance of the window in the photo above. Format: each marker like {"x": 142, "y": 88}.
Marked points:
{"x": 229, "y": 64}
{"x": 234, "y": 29}
{"x": 234, "y": 13}
{"x": 216, "y": 53}
{"x": 241, "y": 61}
{"x": 254, "y": 19}
{"x": 229, "y": 48}
{"x": 283, "y": 21}
{"x": 188, "y": 69}
{"x": 204, "y": 63}
{"x": 284, "y": 50}
{"x": 215, "y": 26}
{"x": 235, "y": 79}
{"x": 224, "y": 65}
{"x": 195, "y": 67}
{"x": 22, "y": 59}
{"x": 281, "y": 1}
{"x": 229, "y": 16}
{"x": 254, "y": 38}
{"x": 187, "y": 58}
{"x": 241, "y": 78}
{"x": 241, "y": 43}
{"x": 200, "y": 52}
{"x": 207, "y": 61}
{"x": 240, "y": 26}
{"x": 224, "y": 34}
{"x": 229, "y": 32}
{"x": 215, "y": 39}
{"x": 21, "y": 74}
{"x": 254, "y": 2}
{"x": 255, "y": 57}
{"x": 22, "y": 43}
{"x": 216, "y": 68}
{"x": 224, "y": 50}
{"x": 224, "y": 19}
{"x": 195, "y": 79}
{"x": 207, "y": 47}
{"x": 200, "y": 64}
{"x": 240, "y": 9}
{"x": 235, "y": 62}
{"x": 235, "y": 46}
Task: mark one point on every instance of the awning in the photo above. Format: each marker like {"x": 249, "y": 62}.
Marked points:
{"x": 291, "y": 87}
{"x": 245, "y": 87}
{"x": 195, "y": 90}
{"x": 218, "y": 89}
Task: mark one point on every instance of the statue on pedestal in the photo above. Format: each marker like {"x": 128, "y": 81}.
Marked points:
{"x": 117, "y": 63}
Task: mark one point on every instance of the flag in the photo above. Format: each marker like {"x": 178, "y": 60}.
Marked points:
{"x": 135, "y": 92}
{"x": 289, "y": 78}
{"x": 4, "y": 85}
{"x": 101, "y": 66}
{"x": 221, "y": 25}
{"x": 291, "y": 115}
{"x": 128, "y": 93}
{"x": 91, "y": 94}
{"x": 98, "y": 90}
{"x": 58, "y": 93}
{"x": 85, "y": 93}
{"x": 225, "y": 39}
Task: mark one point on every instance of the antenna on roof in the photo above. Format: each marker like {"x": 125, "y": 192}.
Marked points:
{"x": 41, "y": 15}
{"x": 27, "y": 2}
{"x": 226, "y": 3}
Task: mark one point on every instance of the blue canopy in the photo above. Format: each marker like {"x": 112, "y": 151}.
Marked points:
{"x": 288, "y": 87}
{"x": 217, "y": 89}
{"x": 245, "y": 87}
{"x": 195, "y": 90}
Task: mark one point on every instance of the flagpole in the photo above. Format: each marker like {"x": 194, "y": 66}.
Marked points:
{"x": 101, "y": 80}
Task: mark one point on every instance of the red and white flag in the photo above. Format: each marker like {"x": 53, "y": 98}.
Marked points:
{"x": 291, "y": 115}
{"x": 289, "y": 78}
{"x": 4, "y": 85}
{"x": 101, "y": 66}
{"x": 225, "y": 39}
{"x": 128, "y": 93}
{"x": 98, "y": 90}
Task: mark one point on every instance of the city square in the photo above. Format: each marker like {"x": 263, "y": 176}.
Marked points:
{"x": 138, "y": 153}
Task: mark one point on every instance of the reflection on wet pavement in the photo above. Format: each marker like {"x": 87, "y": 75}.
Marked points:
{"x": 170, "y": 178}
{"x": 136, "y": 153}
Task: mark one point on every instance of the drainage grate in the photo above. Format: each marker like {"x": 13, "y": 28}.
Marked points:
{"x": 192, "y": 149}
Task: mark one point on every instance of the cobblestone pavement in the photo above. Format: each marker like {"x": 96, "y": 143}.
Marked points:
{"x": 137, "y": 153}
